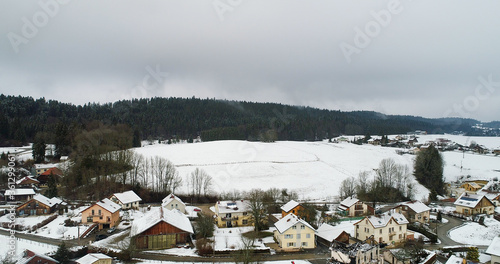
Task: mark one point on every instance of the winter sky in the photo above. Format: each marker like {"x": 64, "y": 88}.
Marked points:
{"x": 428, "y": 58}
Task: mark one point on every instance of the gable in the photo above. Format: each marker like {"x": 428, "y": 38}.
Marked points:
{"x": 97, "y": 207}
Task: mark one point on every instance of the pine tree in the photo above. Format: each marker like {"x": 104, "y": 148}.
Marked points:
{"x": 38, "y": 150}
{"x": 62, "y": 254}
{"x": 52, "y": 187}
{"x": 472, "y": 254}
{"x": 429, "y": 169}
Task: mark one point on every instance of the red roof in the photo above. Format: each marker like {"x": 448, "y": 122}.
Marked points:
{"x": 53, "y": 171}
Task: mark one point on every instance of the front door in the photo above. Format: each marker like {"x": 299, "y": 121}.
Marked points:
{"x": 228, "y": 224}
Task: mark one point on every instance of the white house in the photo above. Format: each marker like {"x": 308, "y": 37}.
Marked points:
{"x": 127, "y": 200}
{"x": 386, "y": 228}
{"x": 294, "y": 233}
{"x": 173, "y": 202}
{"x": 494, "y": 250}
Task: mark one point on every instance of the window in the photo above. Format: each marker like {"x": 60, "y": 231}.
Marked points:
{"x": 294, "y": 227}
{"x": 304, "y": 244}
{"x": 400, "y": 228}
{"x": 245, "y": 222}
{"x": 380, "y": 231}
{"x": 90, "y": 219}
{"x": 99, "y": 211}
{"x": 245, "y": 213}
{"x": 172, "y": 206}
{"x": 93, "y": 212}
{"x": 308, "y": 235}
{"x": 291, "y": 244}
{"x": 298, "y": 236}
{"x": 288, "y": 236}
{"x": 302, "y": 227}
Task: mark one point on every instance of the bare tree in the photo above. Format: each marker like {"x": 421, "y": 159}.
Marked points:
{"x": 347, "y": 188}
{"x": 199, "y": 183}
{"x": 257, "y": 209}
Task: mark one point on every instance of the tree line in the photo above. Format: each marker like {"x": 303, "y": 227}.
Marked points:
{"x": 22, "y": 119}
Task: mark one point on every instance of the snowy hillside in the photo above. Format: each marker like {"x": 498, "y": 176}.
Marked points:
{"x": 314, "y": 169}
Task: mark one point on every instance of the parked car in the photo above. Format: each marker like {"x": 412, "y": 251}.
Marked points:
{"x": 100, "y": 237}
{"x": 111, "y": 230}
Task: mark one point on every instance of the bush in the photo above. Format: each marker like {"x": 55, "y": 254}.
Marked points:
{"x": 204, "y": 247}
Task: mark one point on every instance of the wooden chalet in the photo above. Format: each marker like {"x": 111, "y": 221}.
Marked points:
{"x": 161, "y": 229}
{"x": 38, "y": 205}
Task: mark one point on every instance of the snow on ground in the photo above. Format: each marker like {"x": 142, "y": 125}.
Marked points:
{"x": 176, "y": 252}
{"x": 310, "y": 168}
{"x": 22, "y": 244}
{"x": 443, "y": 220}
{"x": 117, "y": 241}
{"x": 227, "y": 239}
{"x": 265, "y": 262}
{"x": 192, "y": 211}
{"x": 27, "y": 221}
{"x": 475, "y": 234}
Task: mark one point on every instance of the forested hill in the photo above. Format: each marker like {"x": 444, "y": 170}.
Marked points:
{"x": 21, "y": 118}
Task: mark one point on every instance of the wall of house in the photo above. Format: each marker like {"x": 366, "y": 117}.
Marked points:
{"x": 33, "y": 207}
{"x": 295, "y": 211}
{"x": 392, "y": 232}
{"x": 392, "y": 260}
{"x": 295, "y": 238}
{"x": 105, "y": 217}
{"x": 359, "y": 209}
{"x": 161, "y": 236}
{"x": 174, "y": 204}
{"x": 369, "y": 256}
{"x": 236, "y": 218}
{"x": 413, "y": 217}
{"x": 495, "y": 259}
{"x": 103, "y": 261}
{"x": 484, "y": 207}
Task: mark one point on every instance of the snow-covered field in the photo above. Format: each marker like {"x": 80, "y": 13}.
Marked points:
{"x": 227, "y": 239}
{"x": 313, "y": 169}
{"x": 22, "y": 244}
{"x": 476, "y": 234}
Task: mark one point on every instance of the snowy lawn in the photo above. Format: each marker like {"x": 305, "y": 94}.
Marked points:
{"x": 117, "y": 241}
{"x": 476, "y": 234}
{"x": 22, "y": 244}
{"x": 27, "y": 221}
{"x": 176, "y": 252}
{"x": 228, "y": 239}
{"x": 192, "y": 211}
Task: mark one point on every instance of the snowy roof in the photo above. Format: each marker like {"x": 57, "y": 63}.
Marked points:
{"x": 289, "y": 206}
{"x": 170, "y": 198}
{"x": 127, "y": 197}
{"x": 494, "y": 247}
{"x": 27, "y": 259}
{"x": 416, "y": 206}
{"x": 53, "y": 171}
{"x": 27, "y": 178}
{"x": 384, "y": 219}
{"x": 469, "y": 200}
{"x": 454, "y": 260}
{"x": 15, "y": 192}
{"x": 44, "y": 166}
{"x": 288, "y": 221}
{"x": 156, "y": 215}
{"x": 47, "y": 201}
{"x": 349, "y": 201}
{"x": 490, "y": 195}
{"x": 329, "y": 232}
{"x": 233, "y": 206}
{"x": 91, "y": 258}
{"x": 108, "y": 205}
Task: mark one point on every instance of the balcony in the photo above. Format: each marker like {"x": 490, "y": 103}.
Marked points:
{"x": 234, "y": 218}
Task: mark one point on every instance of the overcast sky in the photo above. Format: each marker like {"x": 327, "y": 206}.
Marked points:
{"x": 428, "y": 58}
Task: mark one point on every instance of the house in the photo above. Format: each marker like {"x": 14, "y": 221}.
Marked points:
{"x": 472, "y": 204}
{"x": 44, "y": 177}
{"x": 41, "y": 168}
{"x": 414, "y": 211}
{"x": 400, "y": 256}
{"x": 326, "y": 234}
{"x": 354, "y": 207}
{"x": 160, "y": 229}
{"x": 294, "y": 233}
{"x": 173, "y": 202}
{"x": 494, "y": 250}
{"x": 496, "y": 151}
{"x": 494, "y": 197}
{"x": 127, "y": 200}
{"x": 95, "y": 258}
{"x": 27, "y": 182}
{"x": 232, "y": 213}
{"x": 30, "y": 257}
{"x": 374, "y": 141}
{"x": 471, "y": 187}
{"x": 105, "y": 213}
{"x": 38, "y": 205}
{"x": 387, "y": 228}
{"x": 19, "y": 195}
{"x": 359, "y": 253}
{"x": 292, "y": 207}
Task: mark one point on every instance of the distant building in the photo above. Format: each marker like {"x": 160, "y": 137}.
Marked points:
{"x": 38, "y": 205}
{"x": 386, "y": 228}
{"x": 95, "y": 258}
{"x": 127, "y": 200}
{"x": 105, "y": 213}
{"x": 294, "y": 233}
{"x": 27, "y": 182}
{"x": 326, "y": 234}
{"x": 41, "y": 168}
{"x": 232, "y": 213}
{"x": 171, "y": 202}
{"x": 31, "y": 257}
{"x": 19, "y": 195}
{"x": 44, "y": 177}
{"x": 472, "y": 204}
{"x": 160, "y": 229}
{"x": 354, "y": 207}
{"x": 414, "y": 211}
{"x": 292, "y": 207}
